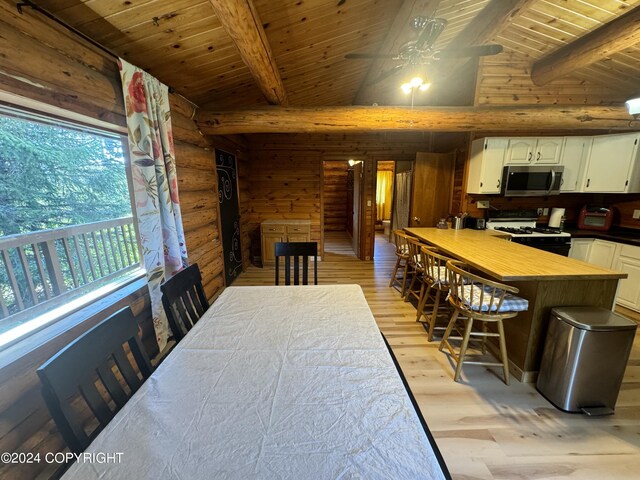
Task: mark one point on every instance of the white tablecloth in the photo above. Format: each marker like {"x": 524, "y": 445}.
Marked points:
{"x": 272, "y": 383}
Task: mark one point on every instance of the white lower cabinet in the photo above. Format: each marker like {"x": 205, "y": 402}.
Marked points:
{"x": 617, "y": 256}
{"x": 628, "y": 261}
{"x": 580, "y": 248}
{"x": 603, "y": 253}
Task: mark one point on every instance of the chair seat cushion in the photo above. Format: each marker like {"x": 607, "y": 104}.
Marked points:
{"x": 441, "y": 276}
{"x": 511, "y": 303}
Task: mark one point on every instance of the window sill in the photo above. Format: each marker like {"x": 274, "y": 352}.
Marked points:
{"x": 24, "y": 346}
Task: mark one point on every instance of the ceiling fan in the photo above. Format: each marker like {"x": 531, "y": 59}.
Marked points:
{"x": 421, "y": 51}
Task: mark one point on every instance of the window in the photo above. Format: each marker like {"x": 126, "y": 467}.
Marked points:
{"x": 67, "y": 233}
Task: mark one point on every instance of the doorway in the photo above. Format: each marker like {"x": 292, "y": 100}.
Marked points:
{"x": 385, "y": 172}
{"x": 337, "y": 208}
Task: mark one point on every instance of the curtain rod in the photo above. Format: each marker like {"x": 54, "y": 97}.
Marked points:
{"x": 51, "y": 16}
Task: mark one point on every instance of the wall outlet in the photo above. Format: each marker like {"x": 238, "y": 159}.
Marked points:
{"x": 368, "y": 203}
{"x": 483, "y": 204}
{"x": 636, "y": 214}
{"x": 545, "y": 212}
{"x": 540, "y": 210}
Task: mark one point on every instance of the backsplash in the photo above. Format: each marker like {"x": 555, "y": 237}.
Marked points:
{"x": 625, "y": 204}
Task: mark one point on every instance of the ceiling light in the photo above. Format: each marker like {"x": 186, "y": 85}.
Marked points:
{"x": 406, "y": 88}
{"x": 633, "y": 106}
{"x": 416, "y": 80}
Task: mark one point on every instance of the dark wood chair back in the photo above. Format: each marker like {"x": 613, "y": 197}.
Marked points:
{"x": 297, "y": 250}
{"x": 184, "y": 300}
{"x": 87, "y": 368}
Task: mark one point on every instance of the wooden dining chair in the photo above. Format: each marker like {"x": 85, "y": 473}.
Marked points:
{"x": 184, "y": 300}
{"x": 96, "y": 368}
{"x": 402, "y": 257}
{"x": 296, "y": 250}
{"x": 476, "y": 299}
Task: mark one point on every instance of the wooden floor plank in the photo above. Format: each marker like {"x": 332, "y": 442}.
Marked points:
{"x": 484, "y": 428}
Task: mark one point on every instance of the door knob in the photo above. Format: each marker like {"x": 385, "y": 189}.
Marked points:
{"x": 416, "y": 219}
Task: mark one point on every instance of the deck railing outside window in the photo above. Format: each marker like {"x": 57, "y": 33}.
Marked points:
{"x": 43, "y": 269}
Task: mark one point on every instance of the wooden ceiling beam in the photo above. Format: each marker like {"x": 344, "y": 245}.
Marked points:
{"x": 399, "y": 33}
{"x": 485, "y": 27}
{"x": 242, "y": 23}
{"x": 621, "y": 33}
{"x": 437, "y": 119}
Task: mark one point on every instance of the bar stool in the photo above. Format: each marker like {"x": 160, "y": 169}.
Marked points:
{"x": 436, "y": 285}
{"x": 476, "y": 298}
{"x": 402, "y": 257}
{"x": 415, "y": 270}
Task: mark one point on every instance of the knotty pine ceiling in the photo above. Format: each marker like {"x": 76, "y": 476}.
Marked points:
{"x": 183, "y": 44}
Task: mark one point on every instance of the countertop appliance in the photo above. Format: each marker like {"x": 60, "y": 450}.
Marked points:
{"x": 595, "y": 218}
{"x": 475, "y": 223}
{"x": 526, "y": 181}
{"x": 521, "y": 226}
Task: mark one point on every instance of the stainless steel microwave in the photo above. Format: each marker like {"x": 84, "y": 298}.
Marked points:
{"x": 526, "y": 181}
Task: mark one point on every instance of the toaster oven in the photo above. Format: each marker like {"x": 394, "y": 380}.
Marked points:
{"x": 595, "y": 218}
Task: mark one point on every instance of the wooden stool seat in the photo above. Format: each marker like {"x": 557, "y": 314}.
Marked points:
{"x": 415, "y": 270}
{"x": 436, "y": 288}
{"x": 474, "y": 298}
{"x": 402, "y": 257}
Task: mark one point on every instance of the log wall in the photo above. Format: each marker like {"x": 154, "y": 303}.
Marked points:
{"x": 281, "y": 176}
{"x": 39, "y": 60}
{"x": 335, "y": 196}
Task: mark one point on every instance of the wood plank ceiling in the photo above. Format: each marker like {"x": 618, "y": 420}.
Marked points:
{"x": 184, "y": 44}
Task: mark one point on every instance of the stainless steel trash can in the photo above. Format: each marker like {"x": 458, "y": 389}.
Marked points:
{"x": 584, "y": 358}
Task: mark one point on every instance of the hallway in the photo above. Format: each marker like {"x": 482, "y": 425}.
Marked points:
{"x": 484, "y": 428}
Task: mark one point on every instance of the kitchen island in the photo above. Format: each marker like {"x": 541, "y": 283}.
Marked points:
{"x": 545, "y": 279}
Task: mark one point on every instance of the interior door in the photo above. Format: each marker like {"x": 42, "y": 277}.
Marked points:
{"x": 357, "y": 183}
{"x": 229, "y": 214}
{"x": 431, "y": 192}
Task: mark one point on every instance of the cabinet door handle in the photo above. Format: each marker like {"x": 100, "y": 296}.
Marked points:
{"x": 588, "y": 182}
{"x": 498, "y": 185}
{"x": 562, "y": 181}
{"x": 529, "y": 159}
{"x": 538, "y": 157}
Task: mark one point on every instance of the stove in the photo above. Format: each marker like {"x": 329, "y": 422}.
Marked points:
{"x": 521, "y": 226}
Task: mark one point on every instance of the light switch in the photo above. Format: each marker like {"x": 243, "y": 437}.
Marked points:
{"x": 636, "y": 214}
{"x": 368, "y": 203}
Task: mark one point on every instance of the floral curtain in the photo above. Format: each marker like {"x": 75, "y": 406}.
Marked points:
{"x": 155, "y": 185}
{"x": 384, "y": 194}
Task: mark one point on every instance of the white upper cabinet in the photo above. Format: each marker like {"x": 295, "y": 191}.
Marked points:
{"x": 574, "y": 158}
{"x": 485, "y": 165}
{"x": 612, "y": 166}
{"x": 520, "y": 151}
{"x": 534, "y": 151}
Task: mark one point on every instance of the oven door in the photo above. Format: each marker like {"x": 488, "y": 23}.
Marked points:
{"x": 519, "y": 181}
{"x": 559, "y": 246}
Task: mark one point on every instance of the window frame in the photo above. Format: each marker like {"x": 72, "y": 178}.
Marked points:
{"x": 33, "y": 110}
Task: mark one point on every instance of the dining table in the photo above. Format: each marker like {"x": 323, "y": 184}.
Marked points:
{"x": 287, "y": 382}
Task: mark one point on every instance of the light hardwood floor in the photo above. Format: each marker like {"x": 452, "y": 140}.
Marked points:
{"x": 485, "y": 429}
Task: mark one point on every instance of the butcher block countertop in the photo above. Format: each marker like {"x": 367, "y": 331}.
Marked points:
{"x": 489, "y": 252}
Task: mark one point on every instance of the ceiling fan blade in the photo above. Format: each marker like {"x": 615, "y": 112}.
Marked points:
{"x": 430, "y": 33}
{"x": 475, "y": 51}
{"x": 387, "y": 74}
{"x": 360, "y": 56}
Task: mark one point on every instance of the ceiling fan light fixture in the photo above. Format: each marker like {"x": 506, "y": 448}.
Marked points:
{"x": 416, "y": 81}
{"x": 406, "y": 88}
{"x": 424, "y": 87}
